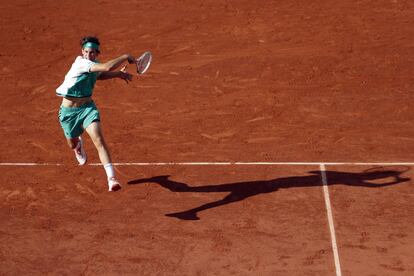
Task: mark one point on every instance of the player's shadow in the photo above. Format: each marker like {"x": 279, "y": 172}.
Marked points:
{"x": 241, "y": 190}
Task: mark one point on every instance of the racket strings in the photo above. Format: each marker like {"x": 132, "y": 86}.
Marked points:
{"x": 143, "y": 62}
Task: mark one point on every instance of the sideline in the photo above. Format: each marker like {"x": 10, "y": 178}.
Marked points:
{"x": 330, "y": 219}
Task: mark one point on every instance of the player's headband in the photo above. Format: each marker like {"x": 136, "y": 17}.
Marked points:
{"x": 91, "y": 45}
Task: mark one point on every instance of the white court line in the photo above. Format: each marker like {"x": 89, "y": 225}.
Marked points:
{"x": 330, "y": 220}
{"x": 228, "y": 164}
{"x": 261, "y": 164}
{"x": 30, "y": 164}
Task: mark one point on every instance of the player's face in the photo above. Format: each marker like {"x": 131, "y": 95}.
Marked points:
{"x": 89, "y": 53}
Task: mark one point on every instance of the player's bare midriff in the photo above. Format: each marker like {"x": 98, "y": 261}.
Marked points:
{"x": 75, "y": 102}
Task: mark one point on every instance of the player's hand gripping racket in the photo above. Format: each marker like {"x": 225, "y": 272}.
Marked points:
{"x": 143, "y": 62}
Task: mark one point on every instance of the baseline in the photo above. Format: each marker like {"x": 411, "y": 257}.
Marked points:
{"x": 225, "y": 164}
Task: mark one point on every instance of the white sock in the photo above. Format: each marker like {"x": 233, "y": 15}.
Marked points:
{"x": 109, "y": 169}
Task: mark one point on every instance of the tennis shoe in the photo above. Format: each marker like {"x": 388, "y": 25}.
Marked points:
{"x": 80, "y": 153}
{"x": 113, "y": 185}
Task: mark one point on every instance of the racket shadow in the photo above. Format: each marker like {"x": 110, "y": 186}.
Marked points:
{"x": 241, "y": 190}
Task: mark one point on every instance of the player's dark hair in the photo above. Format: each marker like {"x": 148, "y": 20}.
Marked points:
{"x": 87, "y": 39}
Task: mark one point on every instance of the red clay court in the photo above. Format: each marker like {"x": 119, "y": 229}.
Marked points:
{"x": 267, "y": 138}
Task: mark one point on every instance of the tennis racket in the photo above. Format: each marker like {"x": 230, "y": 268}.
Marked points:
{"x": 143, "y": 62}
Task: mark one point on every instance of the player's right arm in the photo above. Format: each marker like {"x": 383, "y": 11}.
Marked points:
{"x": 112, "y": 64}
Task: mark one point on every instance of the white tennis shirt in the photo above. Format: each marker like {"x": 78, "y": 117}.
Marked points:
{"x": 79, "y": 81}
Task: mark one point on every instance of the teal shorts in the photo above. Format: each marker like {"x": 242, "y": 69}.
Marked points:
{"x": 74, "y": 120}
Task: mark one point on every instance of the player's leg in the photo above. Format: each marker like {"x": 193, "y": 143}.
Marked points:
{"x": 72, "y": 142}
{"x": 72, "y": 127}
{"x": 95, "y": 132}
{"x": 76, "y": 144}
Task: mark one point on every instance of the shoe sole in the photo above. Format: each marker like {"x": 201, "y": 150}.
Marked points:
{"x": 115, "y": 188}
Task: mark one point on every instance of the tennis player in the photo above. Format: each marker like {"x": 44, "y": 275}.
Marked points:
{"x": 78, "y": 112}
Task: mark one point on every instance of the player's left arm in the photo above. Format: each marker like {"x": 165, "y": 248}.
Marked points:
{"x": 122, "y": 74}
